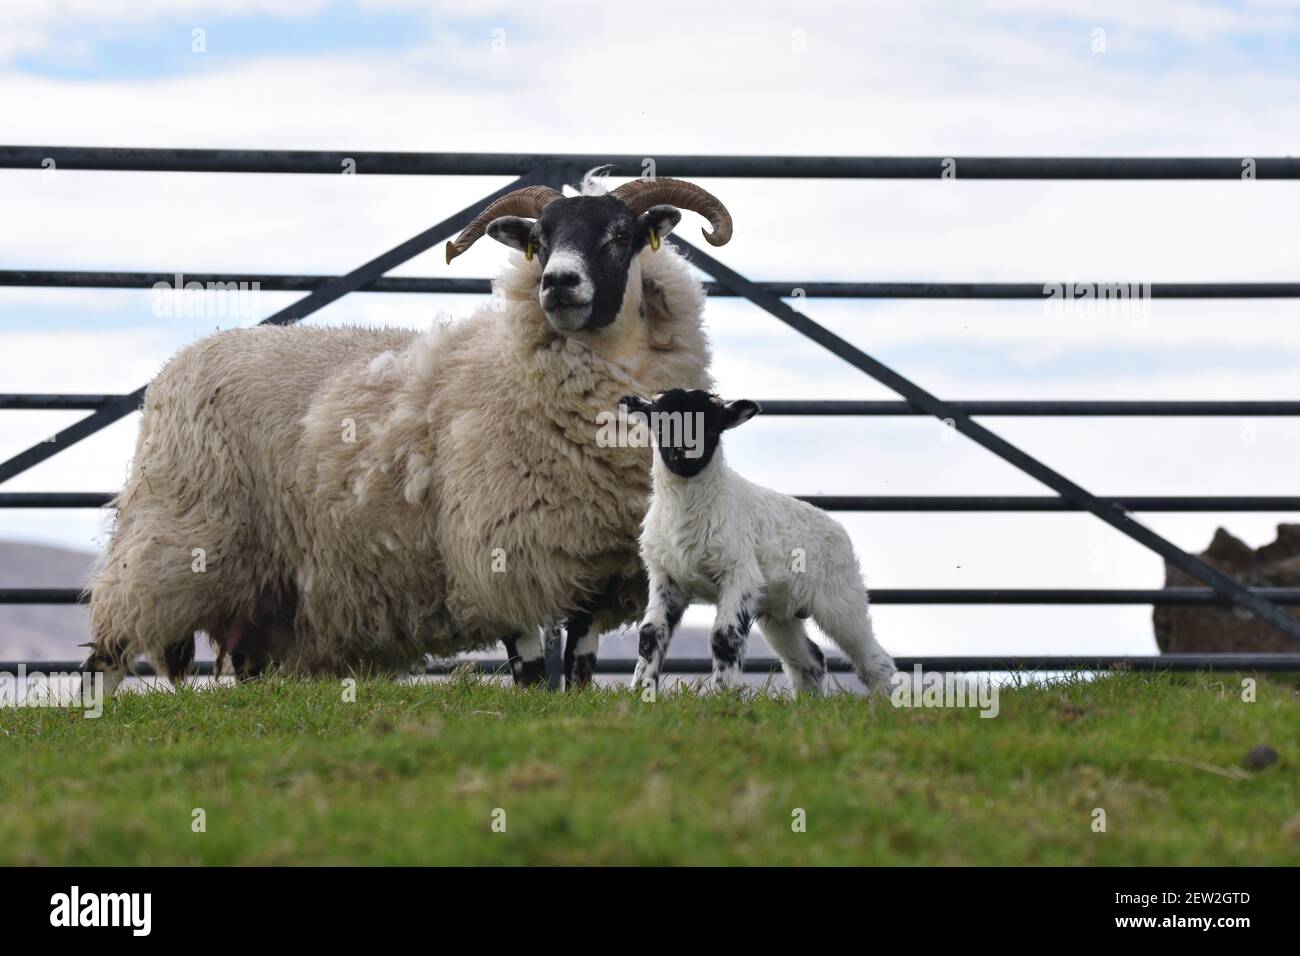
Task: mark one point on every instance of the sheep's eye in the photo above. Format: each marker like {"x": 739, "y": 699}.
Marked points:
{"x": 619, "y": 239}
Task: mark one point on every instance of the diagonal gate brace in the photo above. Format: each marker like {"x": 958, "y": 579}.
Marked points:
{"x": 1113, "y": 515}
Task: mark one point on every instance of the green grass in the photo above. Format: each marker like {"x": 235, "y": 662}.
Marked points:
{"x": 288, "y": 772}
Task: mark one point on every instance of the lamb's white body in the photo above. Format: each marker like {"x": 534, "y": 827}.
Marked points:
{"x": 359, "y": 498}
{"x": 718, "y": 538}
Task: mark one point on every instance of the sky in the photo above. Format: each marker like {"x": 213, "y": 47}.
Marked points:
{"x": 998, "y": 77}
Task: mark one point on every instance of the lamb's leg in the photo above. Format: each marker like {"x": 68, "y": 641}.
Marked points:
{"x": 663, "y": 614}
{"x": 846, "y": 619}
{"x": 737, "y": 607}
{"x": 804, "y": 662}
{"x": 527, "y": 662}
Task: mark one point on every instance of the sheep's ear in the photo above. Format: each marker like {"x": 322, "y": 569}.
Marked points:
{"x": 662, "y": 219}
{"x": 636, "y": 405}
{"x": 511, "y": 231}
{"x": 739, "y": 412}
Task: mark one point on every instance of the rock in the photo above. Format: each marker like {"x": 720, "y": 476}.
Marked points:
{"x": 1259, "y": 758}
{"x": 1205, "y": 629}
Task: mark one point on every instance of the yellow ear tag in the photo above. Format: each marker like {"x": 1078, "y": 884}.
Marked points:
{"x": 654, "y": 241}
{"x": 528, "y": 253}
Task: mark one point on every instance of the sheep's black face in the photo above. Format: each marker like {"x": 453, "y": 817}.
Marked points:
{"x": 586, "y": 245}
{"x": 687, "y": 425}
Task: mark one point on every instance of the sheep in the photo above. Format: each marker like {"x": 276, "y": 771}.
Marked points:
{"x": 711, "y": 535}
{"x": 334, "y": 499}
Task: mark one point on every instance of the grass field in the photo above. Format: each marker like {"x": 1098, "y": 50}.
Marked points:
{"x": 289, "y": 772}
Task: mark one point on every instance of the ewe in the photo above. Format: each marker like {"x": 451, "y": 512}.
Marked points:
{"x": 338, "y": 498}
{"x": 712, "y": 536}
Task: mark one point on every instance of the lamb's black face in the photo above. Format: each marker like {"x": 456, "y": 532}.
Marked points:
{"x": 687, "y": 425}
{"x": 586, "y": 245}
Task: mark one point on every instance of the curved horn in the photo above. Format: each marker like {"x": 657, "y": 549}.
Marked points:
{"x": 641, "y": 194}
{"x": 529, "y": 202}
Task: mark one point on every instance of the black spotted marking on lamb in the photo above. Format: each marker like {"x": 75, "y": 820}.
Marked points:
{"x": 728, "y": 644}
{"x": 650, "y": 639}
{"x": 674, "y": 602}
{"x": 815, "y": 672}
{"x": 815, "y": 651}
{"x": 728, "y": 647}
{"x": 654, "y": 637}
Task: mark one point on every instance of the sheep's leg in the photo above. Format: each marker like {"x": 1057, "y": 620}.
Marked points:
{"x": 846, "y": 620}
{"x": 527, "y": 661}
{"x": 582, "y": 641}
{"x": 663, "y": 614}
{"x": 803, "y": 661}
{"x": 177, "y": 659}
{"x": 248, "y": 646}
{"x": 580, "y": 646}
{"x": 737, "y": 607}
{"x": 248, "y": 667}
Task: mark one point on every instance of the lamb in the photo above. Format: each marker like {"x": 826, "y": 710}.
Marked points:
{"x": 342, "y": 499}
{"x": 710, "y": 535}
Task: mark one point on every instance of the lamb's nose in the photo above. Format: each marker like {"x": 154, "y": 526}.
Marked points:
{"x": 559, "y": 280}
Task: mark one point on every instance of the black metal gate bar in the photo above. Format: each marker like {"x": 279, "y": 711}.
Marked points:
{"x": 764, "y": 167}
{"x": 334, "y": 289}
{"x": 80, "y": 279}
{"x": 36, "y": 402}
{"x": 1034, "y": 408}
{"x": 947, "y": 503}
{"x": 935, "y": 406}
{"x": 1026, "y": 503}
{"x": 803, "y": 407}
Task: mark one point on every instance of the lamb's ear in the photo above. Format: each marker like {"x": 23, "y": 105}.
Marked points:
{"x": 636, "y": 405}
{"x": 511, "y": 231}
{"x": 662, "y": 219}
{"x": 739, "y": 412}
